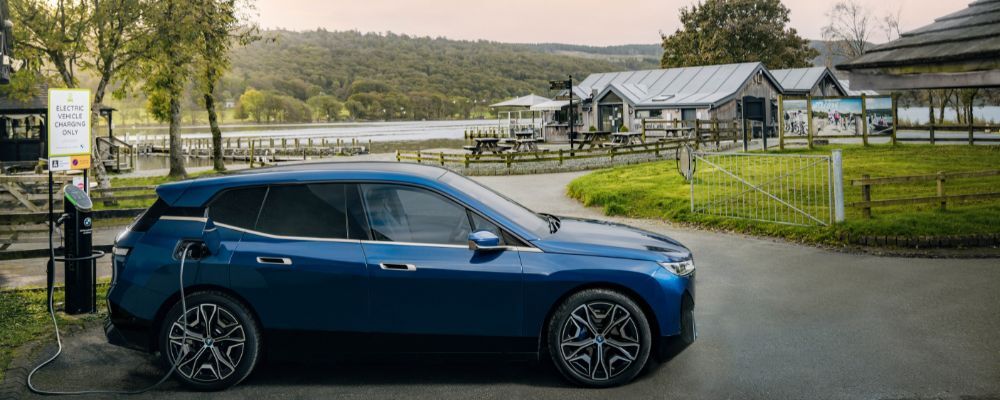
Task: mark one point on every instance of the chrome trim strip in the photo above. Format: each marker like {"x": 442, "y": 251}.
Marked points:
{"x": 281, "y": 260}
{"x": 180, "y": 218}
{"x": 315, "y": 239}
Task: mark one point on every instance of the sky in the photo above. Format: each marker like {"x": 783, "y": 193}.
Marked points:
{"x": 590, "y": 22}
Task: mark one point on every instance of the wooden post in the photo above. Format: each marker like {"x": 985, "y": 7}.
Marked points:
{"x": 972, "y": 136}
{"x": 560, "y": 156}
{"x": 251, "y": 154}
{"x": 866, "y": 196}
{"x": 419, "y": 160}
{"x": 940, "y": 190}
{"x": 697, "y": 134}
{"x": 715, "y": 131}
{"x": 466, "y": 160}
{"x": 781, "y": 123}
{"x": 895, "y": 119}
{"x": 397, "y": 156}
{"x": 510, "y": 159}
{"x": 930, "y": 114}
{"x": 809, "y": 121}
{"x": 441, "y": 158}
{"x": 643, "y": 129}
{"x": 864, "y": 119}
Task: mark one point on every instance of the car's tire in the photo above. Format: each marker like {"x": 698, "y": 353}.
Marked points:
{"x": 604, "y": 325}
{"x": 222, "y": 353}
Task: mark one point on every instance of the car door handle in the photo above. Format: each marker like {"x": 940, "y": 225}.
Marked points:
{"x": 274, "y": 260}
{"x": 398, "y": 267}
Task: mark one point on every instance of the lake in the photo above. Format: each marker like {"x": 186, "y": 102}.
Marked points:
{"x": 363, "y": 131}
{"x": 918, "y": 115}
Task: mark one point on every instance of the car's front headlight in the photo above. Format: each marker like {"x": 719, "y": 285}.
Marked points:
{"x": 679, "y": 268}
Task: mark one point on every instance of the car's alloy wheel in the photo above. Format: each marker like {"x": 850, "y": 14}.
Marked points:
{"x": 221, "y": 342}
{"x": 215, "y": 339}
{"x": 599, "y": 338}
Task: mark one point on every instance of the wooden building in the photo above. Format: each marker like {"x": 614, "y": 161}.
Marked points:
{"x": 815, "y": 81}
{"x": 609, "y": 101}
{"x": 23, "y": 129}
{"x": 958, "y": 50}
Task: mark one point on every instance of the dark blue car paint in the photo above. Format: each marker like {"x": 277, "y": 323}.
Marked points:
{"x": 456, "y": 292}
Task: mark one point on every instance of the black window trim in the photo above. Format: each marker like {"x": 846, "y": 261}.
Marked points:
{"x": 468, "y": 209}
{"x": 528, "y": 246}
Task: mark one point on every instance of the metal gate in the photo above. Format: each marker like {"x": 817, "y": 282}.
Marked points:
{"x": 794, "y": 189}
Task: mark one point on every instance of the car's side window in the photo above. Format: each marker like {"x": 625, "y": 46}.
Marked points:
{"x": 400, "y": 213}
{"x": 237, "y": 207}
{"x": 482, "y": 224}
{"x": 306, "y": 210}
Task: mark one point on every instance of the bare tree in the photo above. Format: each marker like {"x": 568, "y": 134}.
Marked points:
{"x": 850, "y": 28}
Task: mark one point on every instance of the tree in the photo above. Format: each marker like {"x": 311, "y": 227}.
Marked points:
{"x": 220, "y": 26}
{"x": 251, "y": 104}
{"x": 55, "y": 32}
{"x": 736, "y": 31}
{"x": 849, "y": 31}
{"x": 326, "y": 107}
{"x": 168, "y": 66}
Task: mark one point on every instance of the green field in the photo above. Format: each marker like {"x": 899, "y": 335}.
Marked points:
{"x": 656, "y": 190}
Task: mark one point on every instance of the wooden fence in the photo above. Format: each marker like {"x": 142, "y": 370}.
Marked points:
{"x": 866, "y": 182}
{"x": 560, "y": 155}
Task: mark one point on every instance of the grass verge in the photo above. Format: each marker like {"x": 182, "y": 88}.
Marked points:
{"x": 656, "y": 190}
{"x": 24, "y": 317}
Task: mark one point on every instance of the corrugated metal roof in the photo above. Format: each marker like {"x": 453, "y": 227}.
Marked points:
{"x": 803, "y": 80}
{"x": 971, "y": 34}
{"x": 690, "y": 86}
{"x": 524, "y": 101}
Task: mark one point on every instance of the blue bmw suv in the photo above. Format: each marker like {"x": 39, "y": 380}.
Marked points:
{"x": 389, "y": 257}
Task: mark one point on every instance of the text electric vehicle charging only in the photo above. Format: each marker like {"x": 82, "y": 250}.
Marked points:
{"x": 81, "y": 281}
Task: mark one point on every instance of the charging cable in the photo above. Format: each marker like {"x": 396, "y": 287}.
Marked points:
{"x": 185, "y": 349}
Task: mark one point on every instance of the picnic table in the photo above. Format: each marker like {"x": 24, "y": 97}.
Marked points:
{"x": 594, "y": 138}
{"x": 524, "y": 145}
{"x": 679, "y": 131}
{"x": 484, "y": 145}
{"x": 626, "y": 138}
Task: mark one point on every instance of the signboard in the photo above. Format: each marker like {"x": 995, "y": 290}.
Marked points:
{"x": 836, "y": 116}
{"x": 65, "y": 163}
{"x": 878, "y": 115}
{"x": 556, "y": 85}
{"x": 69, "y": 123}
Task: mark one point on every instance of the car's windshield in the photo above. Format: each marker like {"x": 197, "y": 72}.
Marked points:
{"x": 521, "y": 215}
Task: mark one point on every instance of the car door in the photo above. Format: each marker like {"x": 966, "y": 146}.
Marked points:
{"x": 301, "y": 266}
{"x": 427, "y": 284}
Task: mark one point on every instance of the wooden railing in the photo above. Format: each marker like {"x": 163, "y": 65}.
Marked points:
{"x": 560, "y": 156}
{"x": 866, "y": 182}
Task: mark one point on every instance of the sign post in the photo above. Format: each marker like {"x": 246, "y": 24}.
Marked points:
{"x": 69, "y": 147}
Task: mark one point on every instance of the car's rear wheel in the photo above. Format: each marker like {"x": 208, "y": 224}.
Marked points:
{"x": 222, "y": 341}
{"x": 599, "y": 338}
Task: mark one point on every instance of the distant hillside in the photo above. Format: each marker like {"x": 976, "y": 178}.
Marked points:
{"x": 304, "y": 64}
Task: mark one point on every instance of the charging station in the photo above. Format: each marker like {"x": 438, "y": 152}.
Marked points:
{"x": 80, "y": 266}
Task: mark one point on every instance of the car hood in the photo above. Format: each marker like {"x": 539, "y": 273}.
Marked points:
{"x": 607, "y": 239}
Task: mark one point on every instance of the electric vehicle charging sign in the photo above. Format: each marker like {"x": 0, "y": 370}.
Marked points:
{"x": 69, "y": 124}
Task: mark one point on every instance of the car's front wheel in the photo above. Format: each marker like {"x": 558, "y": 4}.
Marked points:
{"x": 220, "y": 347}
{"x": 599, "y": 338}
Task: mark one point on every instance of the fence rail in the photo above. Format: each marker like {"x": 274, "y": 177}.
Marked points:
{"x": 866, "y": 182}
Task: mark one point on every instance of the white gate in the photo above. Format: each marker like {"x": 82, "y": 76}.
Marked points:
{"x": 794, "y": 189}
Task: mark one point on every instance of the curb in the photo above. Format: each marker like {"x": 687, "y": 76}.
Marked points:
{"x": 924, "y": 242}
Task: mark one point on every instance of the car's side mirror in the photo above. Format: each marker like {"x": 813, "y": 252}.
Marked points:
{"x": 210, "y": 236}
{"x": 484, "y": 241}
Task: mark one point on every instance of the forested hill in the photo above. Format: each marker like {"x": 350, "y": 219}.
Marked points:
{"x": 304, "y": 64}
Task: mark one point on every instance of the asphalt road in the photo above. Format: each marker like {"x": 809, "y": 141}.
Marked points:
{"x": 775, "y": 320}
